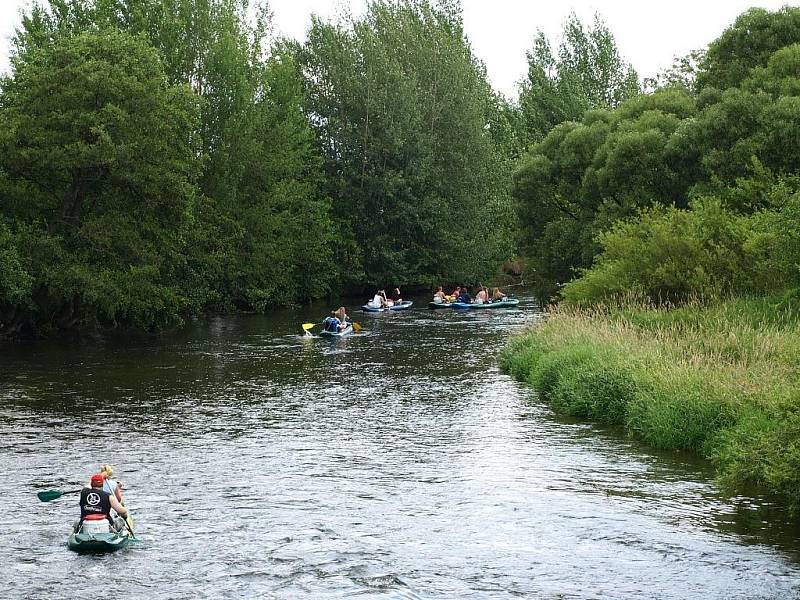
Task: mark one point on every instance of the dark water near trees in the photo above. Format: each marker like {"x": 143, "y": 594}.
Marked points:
{"x": 397, "y": 463}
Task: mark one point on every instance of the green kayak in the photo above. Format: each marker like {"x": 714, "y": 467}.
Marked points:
{"x": 98, "y": 537}
{"x": 97, "y": 543}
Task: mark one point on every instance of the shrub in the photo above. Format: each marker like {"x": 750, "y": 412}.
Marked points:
{"x": 671, "y": 255}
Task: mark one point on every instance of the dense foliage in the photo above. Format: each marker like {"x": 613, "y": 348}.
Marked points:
{"x": 160, "y": 158}
{"x": 84, "y": 119}
{"x": 586, "y": 73}
{"x": 619, "y": 183}
{"x": 417, "y": 174}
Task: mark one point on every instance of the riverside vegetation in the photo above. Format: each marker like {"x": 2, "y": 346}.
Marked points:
{"x": 674, "y": 221}
{"x": 719, "y": 380}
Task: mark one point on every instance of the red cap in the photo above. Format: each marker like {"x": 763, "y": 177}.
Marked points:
{"x": 98, "y": 479}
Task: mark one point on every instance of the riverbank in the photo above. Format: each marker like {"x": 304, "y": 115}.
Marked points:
{"x": 720, "y": 381}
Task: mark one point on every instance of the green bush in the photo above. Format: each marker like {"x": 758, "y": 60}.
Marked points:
{"x": 762, "y": 450}
{"x": 671, "y": 255}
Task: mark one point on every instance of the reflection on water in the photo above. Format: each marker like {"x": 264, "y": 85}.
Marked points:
{"x": 396, "y": 463}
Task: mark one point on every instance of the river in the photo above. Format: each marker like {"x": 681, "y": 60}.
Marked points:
{"x": 395, "y": 463}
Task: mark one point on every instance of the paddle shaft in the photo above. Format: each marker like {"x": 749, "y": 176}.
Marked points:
{"x": 49, "y": 495}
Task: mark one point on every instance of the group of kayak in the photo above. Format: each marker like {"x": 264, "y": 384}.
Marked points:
{"x": 105, "y": 525}
{"x": 461, "y": 298}
{"x": 338, "y": 323}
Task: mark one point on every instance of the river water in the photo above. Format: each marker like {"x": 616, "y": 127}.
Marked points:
{"x": 396, "y": 463}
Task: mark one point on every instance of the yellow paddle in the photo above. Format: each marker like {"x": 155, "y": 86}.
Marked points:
{"x": 129, "y": 523}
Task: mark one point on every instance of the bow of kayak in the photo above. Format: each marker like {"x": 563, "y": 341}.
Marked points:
{"x": 97, "y": 543}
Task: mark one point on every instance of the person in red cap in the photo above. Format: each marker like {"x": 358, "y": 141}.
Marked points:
{"x": 95, "y": 501}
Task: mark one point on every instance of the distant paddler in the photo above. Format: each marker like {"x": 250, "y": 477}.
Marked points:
{"x": 337, "y": 321}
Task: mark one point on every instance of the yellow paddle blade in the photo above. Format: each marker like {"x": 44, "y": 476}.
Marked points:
{"x": 129, "y": 521}
{"x": 357, "y": 326}
{"x": 307, "y": 326}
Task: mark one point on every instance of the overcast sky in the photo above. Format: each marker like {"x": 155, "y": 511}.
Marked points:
{"x": 649, "y": 34}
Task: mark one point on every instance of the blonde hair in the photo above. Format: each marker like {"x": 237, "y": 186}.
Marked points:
{"x": 108, "y": 470}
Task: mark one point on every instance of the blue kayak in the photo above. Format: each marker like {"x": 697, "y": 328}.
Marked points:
{"x": 404, "y": 305}
{"x": 440, "y": 304}
{"x": 506, "y": 303}
{"x": 346, "y": 331}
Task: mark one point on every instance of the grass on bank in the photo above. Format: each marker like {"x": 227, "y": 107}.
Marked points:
{"x": 720, "y": 380}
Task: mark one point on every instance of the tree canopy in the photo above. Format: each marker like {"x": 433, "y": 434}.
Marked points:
{"x": 403, "y": 113}
{"x": 85, "y": 119}
{"x": 586, "y": 73}
{"x": 673, "y": 193}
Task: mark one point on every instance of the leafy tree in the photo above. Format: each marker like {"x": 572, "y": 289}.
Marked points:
{"x": 404, "y": 115}
{"x": 586, "y": 73}
{"x": 260, "y": 171}
{"x": 287, "y": 250}
{"x": 749, "y": 43}
{"x": 584, "y": 176}
{"x": 95, "y": 215}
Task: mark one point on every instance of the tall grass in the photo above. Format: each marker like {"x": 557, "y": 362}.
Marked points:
{"x": 719, "y": 380}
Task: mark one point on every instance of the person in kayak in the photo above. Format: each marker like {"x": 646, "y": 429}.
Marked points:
{"x": 331, "y": 323}
{"x": 396, "y": 298}
{"x": 482, "y": 297}
{"x": 379, "y": 300}
{"x": 456, "y": 293}
{"x": 439, "y": 297}
{"x": 111, "y": 485}
{"x": 497, "y": 295}
{"x": 341, "y": 315}
{"x": 96, "y": 501}
{"x": 464, "y": 296}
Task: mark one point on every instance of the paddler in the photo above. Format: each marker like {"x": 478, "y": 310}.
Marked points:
{"x": 95, "y": 500}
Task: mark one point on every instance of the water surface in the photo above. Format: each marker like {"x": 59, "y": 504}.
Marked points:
{"x": 396, "y": 463}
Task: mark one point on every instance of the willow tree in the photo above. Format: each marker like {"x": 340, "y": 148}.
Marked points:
{"x": 404, "y": 114}
{"x": 748, "y": 43}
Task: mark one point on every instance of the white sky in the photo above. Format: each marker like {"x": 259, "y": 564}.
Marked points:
{"x": 649, "y": 34}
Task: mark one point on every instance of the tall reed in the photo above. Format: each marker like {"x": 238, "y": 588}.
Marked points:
{"x": 720, "y": 380}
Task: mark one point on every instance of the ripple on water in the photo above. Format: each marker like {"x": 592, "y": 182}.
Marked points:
{"x": 396, "y": 463}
